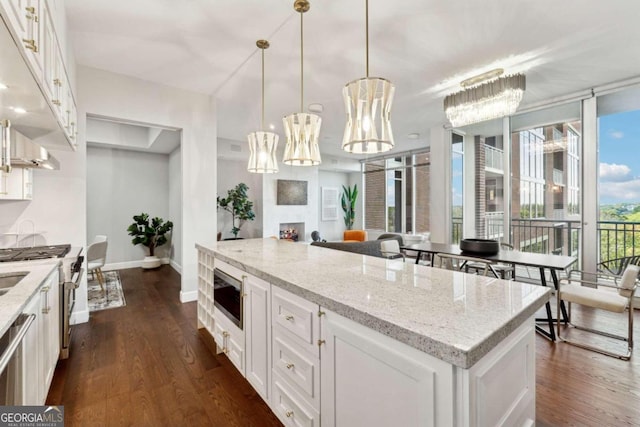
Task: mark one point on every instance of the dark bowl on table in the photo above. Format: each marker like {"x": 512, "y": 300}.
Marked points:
{"x": 480, "y": 246}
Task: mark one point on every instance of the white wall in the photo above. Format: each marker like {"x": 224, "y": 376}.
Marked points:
{"x": 138, "y": 182}
{"x": 332, "y": 230}
{"x": 274, "y": 215}
{"x": 107, "y": 94}
{"x": 175, "y": 207}
{"x": 230, "y": 174}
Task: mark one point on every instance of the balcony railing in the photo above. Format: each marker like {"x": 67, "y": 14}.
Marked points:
{"x": 616, "y": 239}
{"x": 493, "y": 158}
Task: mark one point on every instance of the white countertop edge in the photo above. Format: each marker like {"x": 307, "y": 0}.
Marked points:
{"x": 444, "y": 351}
{"x": 12, "y": 303}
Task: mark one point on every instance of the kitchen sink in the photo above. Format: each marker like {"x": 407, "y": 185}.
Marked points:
{"x": 9, "y": 280}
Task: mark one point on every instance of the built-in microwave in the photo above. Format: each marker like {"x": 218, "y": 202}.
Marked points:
{"x": 227, "y": 296}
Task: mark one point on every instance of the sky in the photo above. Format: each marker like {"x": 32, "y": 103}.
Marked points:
{"x": 619, "y": 136}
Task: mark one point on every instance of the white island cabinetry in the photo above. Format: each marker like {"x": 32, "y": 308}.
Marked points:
{"x": 372, "y": 342}
{"x": 41, "y": 345}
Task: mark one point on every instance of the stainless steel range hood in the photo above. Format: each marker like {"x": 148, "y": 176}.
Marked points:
{"x": 22, "y": 152}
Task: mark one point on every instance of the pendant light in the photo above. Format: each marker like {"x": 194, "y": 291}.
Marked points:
{"x": 368, "y": 103}
{"x": 262, "y": 144}
{"x": 302, "y": 129}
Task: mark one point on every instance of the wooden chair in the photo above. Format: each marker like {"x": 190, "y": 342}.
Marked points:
{"x": 573, "y": 290}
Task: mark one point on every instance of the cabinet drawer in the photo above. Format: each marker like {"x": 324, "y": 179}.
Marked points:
{"x": 297, "y": 316}
{"x": 229, "y": 338}
{"x": 297, "y": 368}
{"x": 290, "y": 408}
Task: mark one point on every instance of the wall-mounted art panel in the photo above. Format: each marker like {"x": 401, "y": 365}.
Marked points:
{"x": 291, "y": 192}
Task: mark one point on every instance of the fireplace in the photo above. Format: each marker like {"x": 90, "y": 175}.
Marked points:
{"x": 292, "y": 231}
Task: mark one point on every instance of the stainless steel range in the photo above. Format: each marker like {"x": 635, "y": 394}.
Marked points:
{"x": 70, "y": 275}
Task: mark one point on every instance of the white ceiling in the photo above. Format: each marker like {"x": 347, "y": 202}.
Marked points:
{"x": 128, "y": 136}
{"x": 425, "y": 47}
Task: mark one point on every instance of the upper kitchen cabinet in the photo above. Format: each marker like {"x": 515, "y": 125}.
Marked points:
{"x": 31, "y": 48}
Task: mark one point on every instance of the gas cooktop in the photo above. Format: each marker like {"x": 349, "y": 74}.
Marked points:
{"x": 34, "y": 252}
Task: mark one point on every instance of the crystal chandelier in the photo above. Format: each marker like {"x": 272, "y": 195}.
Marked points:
{"x": 479, "y": 102}
{"x": 368, "y": 103}
{"x": 302, "y": 129}
{"x": 262, "y": 144}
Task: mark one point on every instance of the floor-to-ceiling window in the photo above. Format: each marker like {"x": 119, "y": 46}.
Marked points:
{"x": 619, "y": 168}
{"x": 545, "y": 180}
{"x": 397, "y": 193}
{"x": 457, "y": 186}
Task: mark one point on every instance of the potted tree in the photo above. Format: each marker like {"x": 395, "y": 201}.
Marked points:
{"x": 237, "y": 203}
{"x": 150, "y": 234}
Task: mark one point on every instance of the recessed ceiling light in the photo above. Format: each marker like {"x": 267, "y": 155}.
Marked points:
{"x": 272, "y": 126}
{"x": 3, "y": 86}
{"x": 413, "y": 136}
{"x": 316, "y": 108}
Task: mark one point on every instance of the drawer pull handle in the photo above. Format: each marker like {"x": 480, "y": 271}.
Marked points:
{"x": 290, "y": 365}
{"x": 225, "y": 333}
{"x": 289, "y": 318}
{"x": 289, "y": 414}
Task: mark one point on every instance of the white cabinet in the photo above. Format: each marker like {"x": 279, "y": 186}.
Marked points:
{"x": 25, "y": 17}
{"x": 16, "y": 185}
{"x": 229, "y": 339}
{"x": 34, "y": 28}
{"x": 50, "y": 326}
{"x": 31, "y": 356}
{"x": 41, "y": 345}
{"x": 371, "y": 379}
{"x": 295, "y": 361}
{"x": 368, "y": 379}
{"x": 257, "y": 312}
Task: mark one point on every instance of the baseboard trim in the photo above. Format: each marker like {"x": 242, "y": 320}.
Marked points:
{"x": 177, "y": 267}
{"x": 79, "y": 317}
{"x": 131, "y": 264}
{"x": 188, "y": 296}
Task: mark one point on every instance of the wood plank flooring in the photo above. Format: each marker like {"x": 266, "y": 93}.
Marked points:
{"x": 146, "y": 364}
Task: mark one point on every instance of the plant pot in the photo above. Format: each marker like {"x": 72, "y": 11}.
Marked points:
{"x": 151, "y": 262}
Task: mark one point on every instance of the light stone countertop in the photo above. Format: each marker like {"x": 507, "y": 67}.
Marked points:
{"x": 453, "y": 316}
{"x": 13, "y": 302}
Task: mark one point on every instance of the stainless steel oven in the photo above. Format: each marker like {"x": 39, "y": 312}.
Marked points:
{"x": 227, "y": 296}
{"x": 67, "y": 302}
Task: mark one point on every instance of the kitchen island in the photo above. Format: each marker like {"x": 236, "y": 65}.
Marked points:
{"x": 336, "y": 338}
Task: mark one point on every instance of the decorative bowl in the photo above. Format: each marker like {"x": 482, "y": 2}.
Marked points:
{"x": 480, "y": 246}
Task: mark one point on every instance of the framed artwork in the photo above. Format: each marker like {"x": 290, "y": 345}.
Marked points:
{"x": 329, "y": 203}
{"x": 291, "y": 192}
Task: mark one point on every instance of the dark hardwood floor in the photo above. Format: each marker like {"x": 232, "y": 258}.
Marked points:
{"x": 146, "y": 364}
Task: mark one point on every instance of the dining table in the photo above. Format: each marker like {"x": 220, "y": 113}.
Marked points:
{"x": 543, "y": 262}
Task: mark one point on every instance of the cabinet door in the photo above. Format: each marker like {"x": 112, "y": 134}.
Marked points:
{"x": 49, "y": 56}
{"x": 370, "y": 379}
{"x": 32, "y": 40}
{"x": 257, "y": 320}
{"x": 51, "y": 330}
{"x": 11, "y": 184}
{"x": 31, "y": 356}
{"x": 16, "y": 12}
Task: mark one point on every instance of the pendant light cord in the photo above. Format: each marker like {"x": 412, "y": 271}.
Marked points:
{"x": 301, "y": 61}
{"x": 366, "y": 12}
{"x": 262, "y": 122}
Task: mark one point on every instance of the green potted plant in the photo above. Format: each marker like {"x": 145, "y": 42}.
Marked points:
{"x": 237, "y": 203}
{"x": 348, "y": 201}
{"x": 150, "y": 234}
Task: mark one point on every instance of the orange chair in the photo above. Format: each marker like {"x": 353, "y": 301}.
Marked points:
{"x": 355, "y": 235}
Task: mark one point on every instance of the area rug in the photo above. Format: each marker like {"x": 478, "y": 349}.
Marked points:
{"x": 111, "y": 297}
